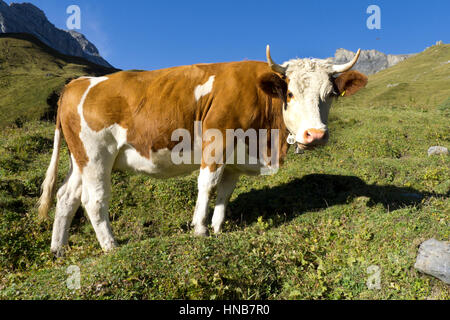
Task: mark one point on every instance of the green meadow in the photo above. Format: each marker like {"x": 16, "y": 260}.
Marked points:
{"x": 368, "y": 198}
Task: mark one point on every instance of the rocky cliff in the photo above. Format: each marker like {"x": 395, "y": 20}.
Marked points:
{"x": 27, "y": 18}
{"x": 370, "y": 61}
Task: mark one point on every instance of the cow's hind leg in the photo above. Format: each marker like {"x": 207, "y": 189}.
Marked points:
{"x": 95, "y": 198}
{"x": 207, "y": 181}
{"x": 68, "y": 201}
{"x": 224, "y": 190}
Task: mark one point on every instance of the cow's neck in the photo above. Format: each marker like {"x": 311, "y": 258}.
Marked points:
{"x": 274, "y": 120}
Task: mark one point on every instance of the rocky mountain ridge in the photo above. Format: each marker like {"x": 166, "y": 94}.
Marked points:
{"x": 27, "y": 18}
{"x": 370, "y": 61}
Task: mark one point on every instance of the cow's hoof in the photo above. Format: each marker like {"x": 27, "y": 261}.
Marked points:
{"x": 201, "y": 231}
{"x": 217, "y": 230}
{"x": 110, "y": 246}
{"x": 58, "y": 252}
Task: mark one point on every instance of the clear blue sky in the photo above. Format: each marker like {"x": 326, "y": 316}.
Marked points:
{"x": 148, "y": 34}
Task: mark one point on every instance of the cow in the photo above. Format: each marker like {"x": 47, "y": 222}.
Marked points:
{"x": 126, "y": 120}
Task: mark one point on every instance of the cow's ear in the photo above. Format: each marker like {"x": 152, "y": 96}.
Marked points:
{"x": 350, "y": 82}
{"x": 273, "y": 85}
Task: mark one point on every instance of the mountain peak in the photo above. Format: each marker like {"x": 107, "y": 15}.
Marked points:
{"x": 370, "y": 61}
{"x": 28, "y": 9}
{"x": 87, "y": 46}
{"x": 27, "y": 18}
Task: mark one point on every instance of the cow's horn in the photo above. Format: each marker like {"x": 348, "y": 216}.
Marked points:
{"x": 275, "y": 67}
{"x": 347, "y": 66}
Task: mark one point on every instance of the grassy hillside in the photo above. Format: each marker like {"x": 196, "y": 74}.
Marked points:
{"x": 421, "y": 81}
{"x": 370, "y": 197}
{"x": 30, "y": 72}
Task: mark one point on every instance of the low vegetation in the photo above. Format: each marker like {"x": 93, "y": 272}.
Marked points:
{"x": 32, "y": 75}
{"x": 368, "y": 198}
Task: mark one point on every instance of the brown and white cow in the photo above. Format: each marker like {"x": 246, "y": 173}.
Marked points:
{"x": 125, "y": 121}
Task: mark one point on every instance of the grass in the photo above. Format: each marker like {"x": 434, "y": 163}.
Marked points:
{"x": 30, "y": 72}
{"x": 370, "y": 197}
{"x": 421, "y": 81}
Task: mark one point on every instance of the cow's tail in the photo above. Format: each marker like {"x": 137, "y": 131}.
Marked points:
{"x": 48, "y": 186}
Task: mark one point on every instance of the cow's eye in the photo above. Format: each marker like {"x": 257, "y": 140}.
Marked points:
{"x": 290, "y": 95}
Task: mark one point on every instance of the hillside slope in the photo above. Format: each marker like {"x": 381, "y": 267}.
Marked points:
{"x": 370, "y": 61}
{"x": 420, "y": 81}
{"x": 27, "y": 18}
{"x": 312, "y": 231}
{"x": 30, "y": 72}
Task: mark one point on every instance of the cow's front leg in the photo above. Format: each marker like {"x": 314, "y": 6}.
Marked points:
{"x": 207, "y": 180}
{"x": 224, "y": 190}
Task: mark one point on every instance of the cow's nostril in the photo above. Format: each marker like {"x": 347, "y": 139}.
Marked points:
{"x": 314, "y": 135}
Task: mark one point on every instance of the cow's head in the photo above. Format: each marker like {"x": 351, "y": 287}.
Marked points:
{"x": 311, "y": 86}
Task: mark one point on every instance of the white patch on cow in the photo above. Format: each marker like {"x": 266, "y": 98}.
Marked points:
{"x": 69, "y": 199}
{"x": 113, "y": 137}
{"x": 107, "y": 149}
{"x": 207, "y": 181}
{"x": 204, "y": 89}
{"x": 224, "y": 190}
{"x": 50, "y": 177}
{"x": 311, "y": 87}
{"x": 158, "y": 165}
{"x": 94, "y": 82}
{"x": 51, "y": 172}
{"x": 101, "y": 148}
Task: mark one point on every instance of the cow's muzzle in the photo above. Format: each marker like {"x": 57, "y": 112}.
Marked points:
{"x": 315, "y": 137}
{"x": 312, "y": 138}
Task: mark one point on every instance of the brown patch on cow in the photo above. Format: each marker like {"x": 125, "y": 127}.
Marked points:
{"x": 70, "y": 119}
{"x": 242, "y": 102}
{"x": 350, "y": 82}
{"x": 151, "y": 105}
{"x": 273, "y": 85}
{"x": 289, "y": 95}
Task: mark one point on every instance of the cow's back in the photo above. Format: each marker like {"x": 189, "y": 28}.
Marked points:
{"x": 150, "y": 105}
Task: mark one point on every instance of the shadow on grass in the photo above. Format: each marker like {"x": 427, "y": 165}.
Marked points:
{"x": 319, "y": 191}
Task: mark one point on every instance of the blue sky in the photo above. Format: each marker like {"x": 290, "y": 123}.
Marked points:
{"x": 147, "y": 34}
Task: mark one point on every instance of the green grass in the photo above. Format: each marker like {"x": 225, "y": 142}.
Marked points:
{"x": 421, "y": 81}
{"x": 30, "y": 72}
{"x": 370, "y": 197}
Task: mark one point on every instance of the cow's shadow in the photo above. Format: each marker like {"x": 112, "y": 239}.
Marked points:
{"x": 315, "y": 192}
